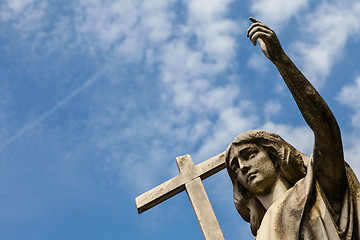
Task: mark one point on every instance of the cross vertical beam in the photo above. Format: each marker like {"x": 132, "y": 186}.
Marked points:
{"x": 200, "y": 202}
{"x": 189, "y": 179}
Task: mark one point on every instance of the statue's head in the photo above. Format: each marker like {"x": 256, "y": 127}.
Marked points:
{"x": 255, "y": 160}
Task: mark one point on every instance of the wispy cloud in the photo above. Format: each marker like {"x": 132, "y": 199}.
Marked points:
{"x": 352, "y": 150}
{"x": 350, "y": 96}
{"x": 276, "y": 13}
{"x": 258, "y": 63}
{"x": 324, "y": 30}
{"x": 25, "y": 15}
{"x": 125, "y": 30}
{"x": 180, "y": 83}
{"x": 188, "y": 49}
{"x": 301, "y": 137}
{"x": 325, "y": 33}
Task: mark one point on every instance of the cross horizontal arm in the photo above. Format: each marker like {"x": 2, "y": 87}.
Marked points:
{"x": 177, "y": 184}
{"x": 211, "y": 166}
{"x": 160, "y": 193}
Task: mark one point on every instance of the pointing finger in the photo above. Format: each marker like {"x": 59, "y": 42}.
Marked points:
{"x": 253, "y": 19}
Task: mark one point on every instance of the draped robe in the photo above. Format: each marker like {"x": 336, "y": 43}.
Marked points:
{"x": 303, "y": 212}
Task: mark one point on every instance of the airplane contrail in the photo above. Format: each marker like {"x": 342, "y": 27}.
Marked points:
{"x": 46, "y": 114}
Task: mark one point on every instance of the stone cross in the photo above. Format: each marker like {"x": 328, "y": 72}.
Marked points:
{"x": 189, "y": 179}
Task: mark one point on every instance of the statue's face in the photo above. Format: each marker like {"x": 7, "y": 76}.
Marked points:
{"x": 254, "y": 168}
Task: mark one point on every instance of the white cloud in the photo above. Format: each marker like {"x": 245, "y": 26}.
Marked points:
{"x": 271, "y": 108}
{"x": 200, "y": 48}
{"x": 25, "y": 15}
{"x": 189, "y": 56}
{"x": 350, "y": 96}
{"x": 214, "y": 32}
{"x": 352, "y": 151}
{"x": 188, "y": 67}
{"x": 156, "y": 19}
{"x": 13, "y": 7}
{"x": 258, "y": 62}
{"x": 326, "y": 31}
{"x": 42, "y": 30}
{"x": 104, "y": 24}
{"x": 232, "y": 121}
{"x": 301, "y": 137}
{"x": 125, "y": 29}
{"x": 276, "y": 13}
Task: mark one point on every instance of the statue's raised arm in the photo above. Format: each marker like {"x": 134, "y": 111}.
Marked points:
{"x": 283, "y": 193}
{"x": 328, "y": 151}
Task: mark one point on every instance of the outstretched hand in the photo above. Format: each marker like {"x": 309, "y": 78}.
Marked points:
{"x": 268, "y": 41}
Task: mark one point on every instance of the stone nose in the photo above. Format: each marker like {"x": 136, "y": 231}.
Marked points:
{"x": 244, "y": 168}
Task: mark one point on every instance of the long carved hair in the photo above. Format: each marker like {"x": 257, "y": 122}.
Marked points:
{"x": 289, "y": 163}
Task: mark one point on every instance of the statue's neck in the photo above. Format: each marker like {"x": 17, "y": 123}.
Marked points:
{"x": 268, "y": 199}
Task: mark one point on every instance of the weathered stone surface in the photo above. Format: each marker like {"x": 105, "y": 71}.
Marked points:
{"x": 189, "y": 178}
{"x": 279, "y": 190}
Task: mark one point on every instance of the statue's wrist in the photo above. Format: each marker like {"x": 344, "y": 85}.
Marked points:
{"x": 281, "y": 58}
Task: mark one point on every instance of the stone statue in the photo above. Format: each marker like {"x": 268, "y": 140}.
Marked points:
{"x": 280, "y": 191}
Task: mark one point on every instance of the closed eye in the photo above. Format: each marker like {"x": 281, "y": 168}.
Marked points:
{"x": 248, "y": 153}
{"x": 234, "y": 164}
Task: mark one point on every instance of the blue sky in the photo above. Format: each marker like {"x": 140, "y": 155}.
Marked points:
{"x": 100, "y": 97}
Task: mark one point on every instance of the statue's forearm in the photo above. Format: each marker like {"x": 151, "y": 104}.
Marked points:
{"x": 314, "y": 109}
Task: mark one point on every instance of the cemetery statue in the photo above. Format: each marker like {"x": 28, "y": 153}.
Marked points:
{"x": 283, "y": 193}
